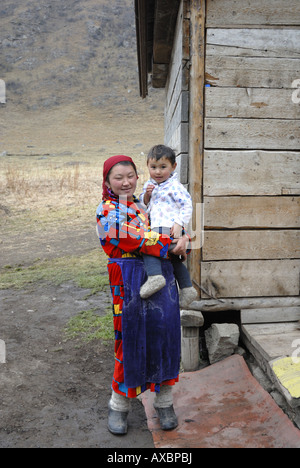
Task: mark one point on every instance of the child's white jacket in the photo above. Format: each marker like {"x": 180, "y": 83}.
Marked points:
{"x": 170, "y": 203}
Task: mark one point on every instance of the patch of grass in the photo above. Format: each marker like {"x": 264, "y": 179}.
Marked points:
{"x": 88, "y": 326}
{"x": 87, "y": 271}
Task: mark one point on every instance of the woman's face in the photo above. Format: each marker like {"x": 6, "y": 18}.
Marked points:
{"x": 122, "y": 181}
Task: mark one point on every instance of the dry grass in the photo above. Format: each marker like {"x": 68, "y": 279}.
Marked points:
{"x": 42, "y": 191}
{"x": 34, "y": 189}
{"x": 72, "y": 101}
{"x": 31, "y": 181}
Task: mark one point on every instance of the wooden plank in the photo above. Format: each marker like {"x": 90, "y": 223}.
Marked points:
{"x": 251, "y": 212}
{"x": 251, "y": 72}
{"x": 251, "y": 172}
{"x": 250, "y": 278}
{"x": 251, "y": 245}
{"x": 178, "y": 74}
{"x": 174, "y": 80}
{"x": 178, "y": 139}
{"x": 272, "y": 340}
{"x": 253, "y": 42}
{"x": 274, "y": 134}
{"x": 250, "y": 103}
{"x": 180, "y": 113}
{"x": 172, "y": 95}
{"x": 221, "y": 13}
{"x": 183, "y": 167}
{"x": 270, "y": 315}
{"x": 176, "y": 108}
{"x": 196, "y": 116}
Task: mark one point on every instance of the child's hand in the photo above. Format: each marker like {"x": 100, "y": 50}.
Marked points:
{"x": 176, "y": 231}
{"x": 148, "y": 193}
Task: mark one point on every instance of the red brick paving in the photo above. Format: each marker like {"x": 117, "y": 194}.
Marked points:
{"x": 223, "y": 406}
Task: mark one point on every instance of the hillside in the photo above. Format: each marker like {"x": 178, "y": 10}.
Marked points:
{"x": 71, "y": 77}
{"x": 72, "y": 100}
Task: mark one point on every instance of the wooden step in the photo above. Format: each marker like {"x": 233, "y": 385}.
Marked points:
{"x": 270, "y": 343}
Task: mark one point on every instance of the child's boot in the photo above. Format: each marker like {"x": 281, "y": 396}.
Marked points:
{"x": 152, "y": 286}
{"x": 187, "y": 295}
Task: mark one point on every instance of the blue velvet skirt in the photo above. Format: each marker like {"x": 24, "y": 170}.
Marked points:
{"x": 150, "y": 329}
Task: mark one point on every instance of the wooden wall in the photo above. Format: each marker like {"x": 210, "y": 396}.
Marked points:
{"x": 247, "y": 175}
{"x": 251, "y": 162}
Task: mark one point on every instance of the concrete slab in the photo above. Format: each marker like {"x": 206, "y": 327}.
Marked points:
{"x": 223, "y": 406}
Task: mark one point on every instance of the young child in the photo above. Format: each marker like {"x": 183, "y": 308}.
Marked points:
{"x": 169, "y": 206}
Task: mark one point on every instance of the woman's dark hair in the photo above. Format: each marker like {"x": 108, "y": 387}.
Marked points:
{"x": 123, "y": 163}
{"x": 162, "y": 151}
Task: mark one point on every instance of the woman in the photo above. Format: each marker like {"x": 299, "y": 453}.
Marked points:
{"x": 147, "y": 332}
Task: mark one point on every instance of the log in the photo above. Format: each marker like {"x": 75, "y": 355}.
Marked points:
{"x": 215, "y": 305}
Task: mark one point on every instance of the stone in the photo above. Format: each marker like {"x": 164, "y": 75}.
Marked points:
{"x": 191, "y": 318}
{"x": 221, "y": 341}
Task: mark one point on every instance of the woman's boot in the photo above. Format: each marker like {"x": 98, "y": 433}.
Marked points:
{"x": 163, "y": 404}
{"x": 118, "y": 410}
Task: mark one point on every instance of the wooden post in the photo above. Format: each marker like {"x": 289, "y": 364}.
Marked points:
{"x": 196, "y": 121}
{"x": 191, "y": 321}
{"x": 190, "y": 349}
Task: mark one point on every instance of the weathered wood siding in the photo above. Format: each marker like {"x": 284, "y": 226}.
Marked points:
{"x": 249, "y": 169}
{"x": 252, "y": 141}
{"x": 177, "y": 95}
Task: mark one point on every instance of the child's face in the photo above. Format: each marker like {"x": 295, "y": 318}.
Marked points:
{"x": 160, "y": 170}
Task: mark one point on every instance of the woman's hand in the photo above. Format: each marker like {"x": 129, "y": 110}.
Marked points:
{"x": 181, "y": 246}
{"x": 176, "y": 231}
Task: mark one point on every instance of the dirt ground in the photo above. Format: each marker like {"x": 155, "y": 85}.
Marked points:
{"x": 55, "y": 134}
{"x": 54, "y": 394}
